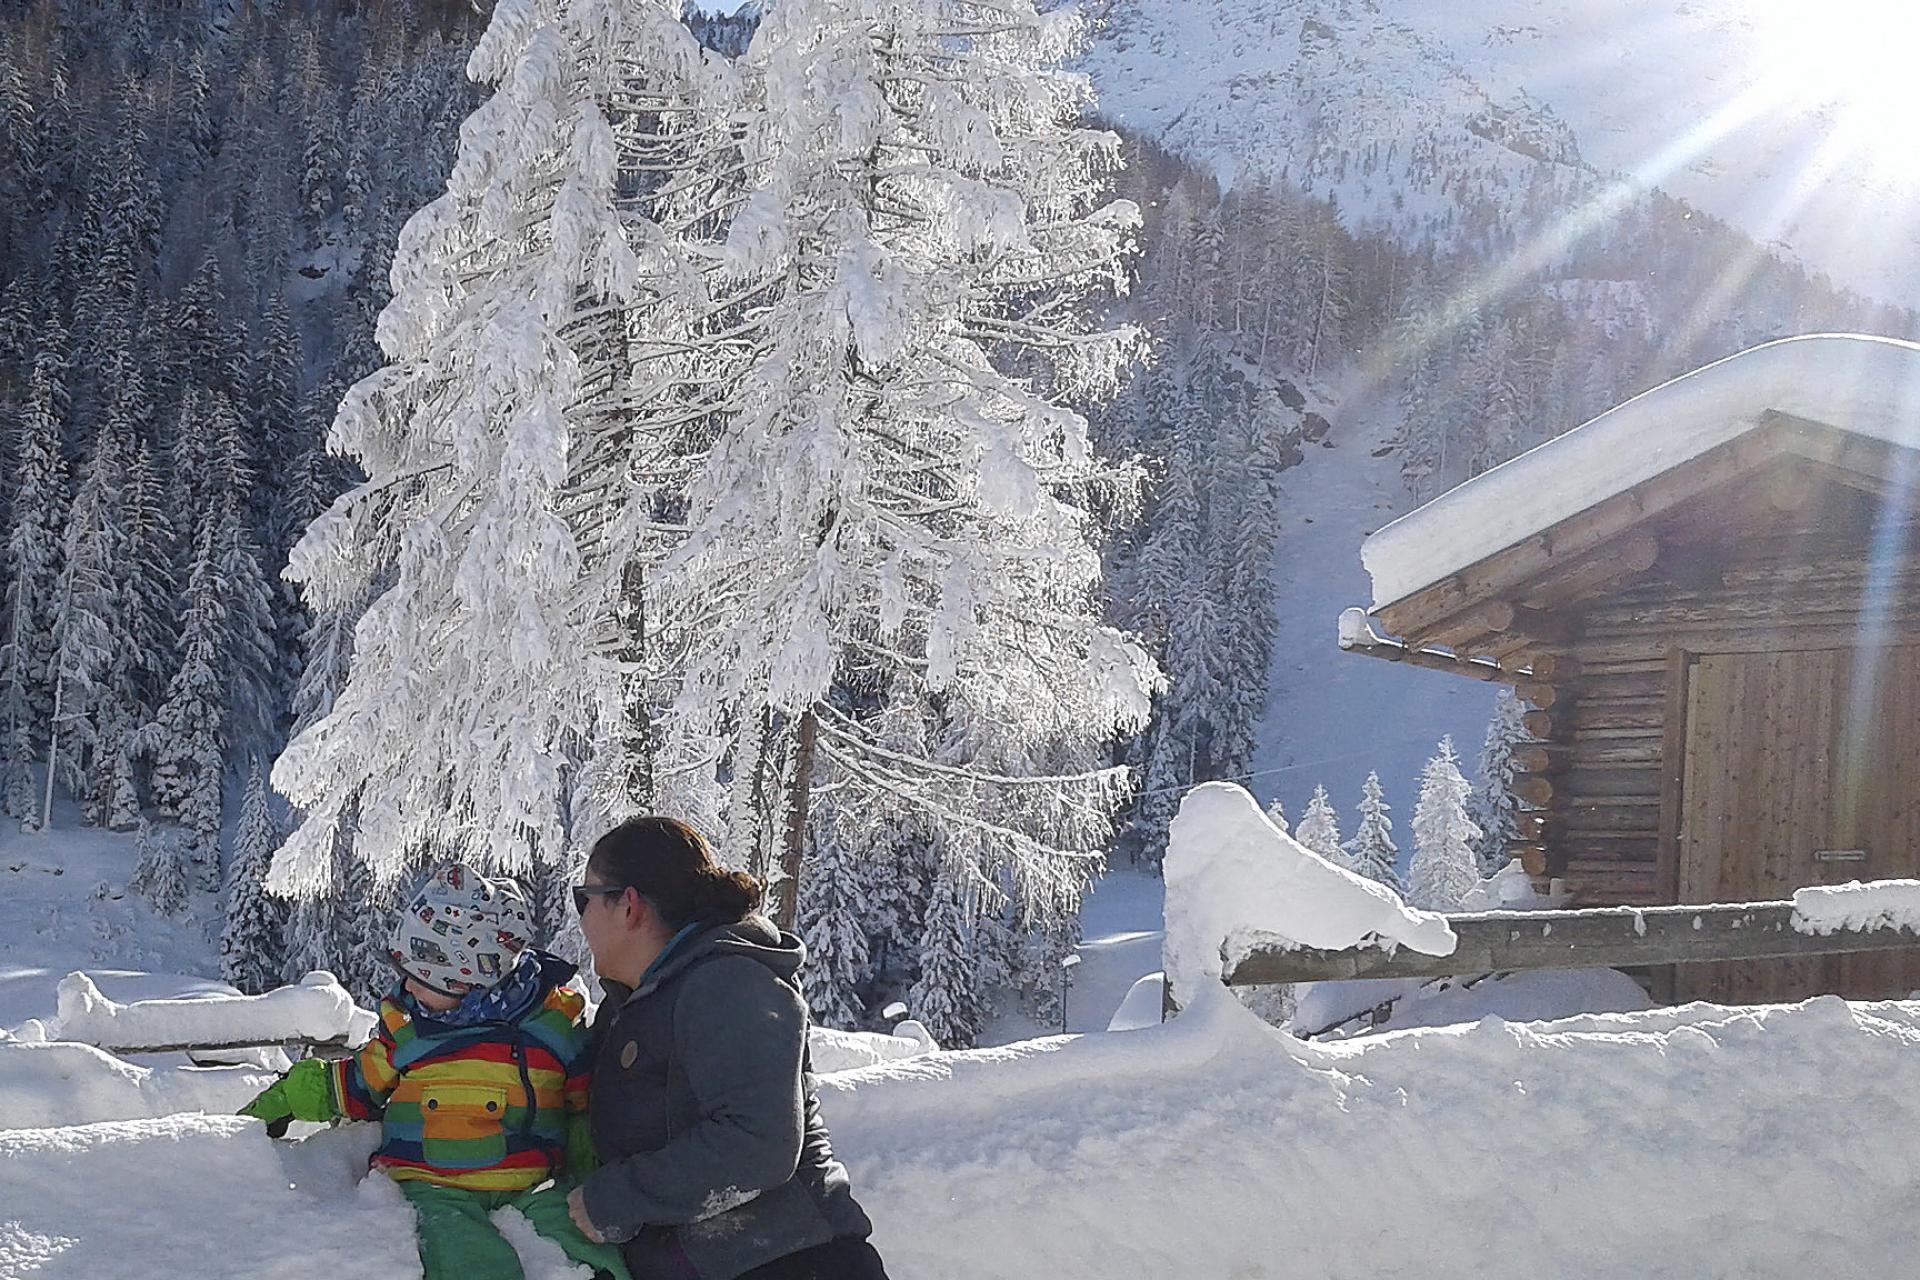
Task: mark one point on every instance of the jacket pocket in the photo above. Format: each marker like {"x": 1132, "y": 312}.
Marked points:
{"x": 464, "y": 1125}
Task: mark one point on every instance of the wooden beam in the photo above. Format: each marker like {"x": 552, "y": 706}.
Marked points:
{"x": 1358, "y": 636}
{"x": 1541, "y": 696}
{"x": 1553, "y": 667}
{"x": 1532, "y": 857}
{"x": 323, "y": 1048}
{"x": 1542, "y": 758}
{"x": 1580, "y": 534}
{"x": 1596, "y": 938}
{"x": 1609, "y": 567}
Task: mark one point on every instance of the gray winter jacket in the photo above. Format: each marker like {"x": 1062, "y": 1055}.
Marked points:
{"x": 715, "y": 1157}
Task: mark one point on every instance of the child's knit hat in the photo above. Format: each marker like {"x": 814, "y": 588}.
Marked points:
{"x": 460, "y": 931}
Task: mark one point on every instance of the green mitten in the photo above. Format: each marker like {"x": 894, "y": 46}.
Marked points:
{"x": 271, "y": 1106}
{"x": 581, "y": 1159}
{"x": 304, "y": 1093}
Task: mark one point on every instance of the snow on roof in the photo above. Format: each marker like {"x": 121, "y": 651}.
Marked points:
{"x": 1865, "y": 385}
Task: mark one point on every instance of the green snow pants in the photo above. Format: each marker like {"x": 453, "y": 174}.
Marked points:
{"x": 458, "y": 1242}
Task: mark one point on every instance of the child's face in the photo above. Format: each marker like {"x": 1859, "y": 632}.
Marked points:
{"x": 429, "y": 998}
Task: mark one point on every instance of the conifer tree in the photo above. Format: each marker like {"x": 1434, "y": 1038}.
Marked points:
{"x": 1319, "y": 828}
{"x": 1495, "y": 807}
{"x": 1371, "y": 852}
{"x": 1444, "y": 863}
{"x": 161, "y": 873}
{"x": 946, "y": 997}
{"x": 835, "y": 933}
{"x": 1277, "y": 815}
{"x": 33, "y": 559}
{"x": 253, "y": 945}
{"x": 89, "y": 626}
{"x": 187, "y": 739}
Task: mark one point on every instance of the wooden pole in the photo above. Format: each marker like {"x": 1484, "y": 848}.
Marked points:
{"x": 1598, "y": 938}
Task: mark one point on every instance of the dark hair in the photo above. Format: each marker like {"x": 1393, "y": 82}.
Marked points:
{"x": 673, "y": 867}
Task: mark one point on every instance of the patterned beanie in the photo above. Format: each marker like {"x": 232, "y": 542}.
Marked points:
{"x": 461, "y": 932}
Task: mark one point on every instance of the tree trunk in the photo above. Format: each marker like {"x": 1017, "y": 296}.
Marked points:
{"x": 799, "y": 797}
{"x": 632, "y": 616}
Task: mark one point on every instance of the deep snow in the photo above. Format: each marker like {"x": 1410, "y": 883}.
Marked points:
{"x": 1686, "y": 1143}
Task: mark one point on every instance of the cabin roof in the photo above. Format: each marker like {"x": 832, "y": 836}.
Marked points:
{"x": 1856, "y": 385}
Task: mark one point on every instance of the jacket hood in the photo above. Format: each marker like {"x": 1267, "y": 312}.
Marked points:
{"x": 754, "y": 937}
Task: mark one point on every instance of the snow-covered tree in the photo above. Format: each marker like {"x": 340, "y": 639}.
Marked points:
{"x": 1495, "y": 808}
{"x": 253, "y": 945}
{"x": 833, "y": 925}
{"x": 1277, "y": 815}
{"x": 37, "y": 512}
{"x": 88, "y": 627}
{"x": 188, "y": 737}
{"x": 946, "y": 996}
{"x": 888, "y": 583}
{"x": 1319, "y": 828}
{"x": 161, "y": 873}
{"x": 1371, "y": 852}
{"x": 1444, "y": 864}
{"x": 509, "y": 450}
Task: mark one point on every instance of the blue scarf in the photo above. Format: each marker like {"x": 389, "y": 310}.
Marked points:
{"x": 507, "y": 1000}
{"x": 686, "y": 930}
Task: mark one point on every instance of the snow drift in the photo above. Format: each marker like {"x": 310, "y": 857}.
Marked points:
{"x": 1690, "y": 1142}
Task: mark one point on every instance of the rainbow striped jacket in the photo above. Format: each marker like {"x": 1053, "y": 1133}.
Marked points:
{"x": 484, "y": 1106}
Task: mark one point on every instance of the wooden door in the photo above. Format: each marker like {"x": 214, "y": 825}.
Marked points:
{"x": 1792, "y": 761}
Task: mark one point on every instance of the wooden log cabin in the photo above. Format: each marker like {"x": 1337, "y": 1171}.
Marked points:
{"x": 1710, "y": 597}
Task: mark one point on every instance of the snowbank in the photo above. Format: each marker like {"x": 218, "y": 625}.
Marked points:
{"x": 62, "y": 1083}
{"x": 1142, "y": 1006}
{"x": 1883, "y": 904}
{"x": 1865, "y": 385}
{"x": 1234, "y": 878}
{"x": 315, "y": 1008}
{"x": 833, "y": 1050}
{"x": 1688, "y": 1142}
{"x": 1771, "y": 1142}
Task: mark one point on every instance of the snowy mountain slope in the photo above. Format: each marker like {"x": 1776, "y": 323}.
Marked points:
{"x": 1332, "y": 716}
{"x": 1447, "y": 118}
{"x": 1329, "y": 94}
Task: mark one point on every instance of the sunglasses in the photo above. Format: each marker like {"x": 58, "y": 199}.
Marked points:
{"x": 585, "y": 893}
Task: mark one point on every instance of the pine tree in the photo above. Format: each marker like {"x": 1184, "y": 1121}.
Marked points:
{"x": 89, "y": 626}
{"x": 1277, "y": 815}
{"x": 253, "y": 945}
{"x": 1444, "y": 864}
{"x": 33, "y": 559}
{"x": 187, "y": 739}
{"x": 1371, "y": 852}
{"x": 1495, "y": 807}
{"x": 161, "y": 873}
{"x": 946, "y": 997}
{"x": 832, "y": 926}
{"x": 1319, "y": 829}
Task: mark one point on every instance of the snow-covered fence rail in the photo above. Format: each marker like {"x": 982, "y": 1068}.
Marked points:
{"x": 315, "y": 1012}
{"x": 1821, "y": 921}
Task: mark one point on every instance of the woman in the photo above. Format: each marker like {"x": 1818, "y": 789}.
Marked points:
{"x": 715, "y": 1158}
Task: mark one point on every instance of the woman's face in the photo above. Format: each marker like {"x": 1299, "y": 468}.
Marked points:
{"x": 603, "y": 918}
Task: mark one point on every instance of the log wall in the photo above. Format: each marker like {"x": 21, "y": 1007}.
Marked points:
{"x": 1605, "y": 788}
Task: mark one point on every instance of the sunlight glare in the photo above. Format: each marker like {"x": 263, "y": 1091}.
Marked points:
{"x": 1856, "y": 56}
